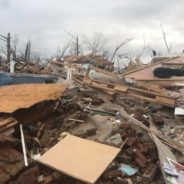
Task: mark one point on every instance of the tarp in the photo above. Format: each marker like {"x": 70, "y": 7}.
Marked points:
{"x": 5, "y": 79}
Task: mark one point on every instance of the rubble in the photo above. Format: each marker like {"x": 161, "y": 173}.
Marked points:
{"x": 146, "y": 73}
{"x": 100, "y": 109}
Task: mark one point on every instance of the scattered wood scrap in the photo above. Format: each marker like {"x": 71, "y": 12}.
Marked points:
{"x": 7, "y": 123}
{"x": 136, "y": 92}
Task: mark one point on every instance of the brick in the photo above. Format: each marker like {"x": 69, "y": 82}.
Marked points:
{"x": 140, "y": 162}
{"x": 126, "y": 126}
{"x": 112, "y": 174}
{"x": 119, "y": 180}
{"x": 124, "y": 158}
{"x": 138, "y": 153}
{"x": 143, "y": 147}
{"x": 158, "y": 119}
{"x": 150, "y": 172}
{"x": 140, "y": 158}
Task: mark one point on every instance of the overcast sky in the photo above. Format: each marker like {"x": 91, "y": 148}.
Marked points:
{"x": 44, "y": 21}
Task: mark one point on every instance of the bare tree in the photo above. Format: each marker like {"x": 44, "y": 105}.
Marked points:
{"x": 27, "y": 51}
{"x": 14, "y": 46}
{"x": 64, "y": 49}
{"x": 145, "y": 47}
{"x": 76, "y": 42}
{"x": 165, "y": 40}
{"x": 35, "y": 56}
{"x": 142, "y": 49}
{"x": 124, "y": 42}
{"x": 7, "y": 40}
{"x": 96, "y": 44}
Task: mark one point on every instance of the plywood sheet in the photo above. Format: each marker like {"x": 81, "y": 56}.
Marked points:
{"x": 14, "y": 97}
{"x": 80, "y": 158}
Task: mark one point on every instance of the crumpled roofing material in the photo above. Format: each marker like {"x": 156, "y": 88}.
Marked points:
{"x": 15, "y": 97}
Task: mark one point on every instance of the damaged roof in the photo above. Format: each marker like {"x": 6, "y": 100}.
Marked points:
{"x": 146, "y": 73}
{"x": 15, "y": 97}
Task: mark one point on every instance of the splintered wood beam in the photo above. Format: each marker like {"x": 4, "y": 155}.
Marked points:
{"x": 148, "y": 87}
{"x": 140, "y": 94}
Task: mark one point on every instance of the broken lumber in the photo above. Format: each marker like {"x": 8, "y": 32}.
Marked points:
{"x": 140, "y": 92}
{"x": 7, "y": 123}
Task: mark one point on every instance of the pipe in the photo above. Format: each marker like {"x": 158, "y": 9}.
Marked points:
{"x": 23, "y": 145}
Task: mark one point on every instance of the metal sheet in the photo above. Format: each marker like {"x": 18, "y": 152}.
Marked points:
{"x": 15, "y": 97}
{"x": 82, "y": 159}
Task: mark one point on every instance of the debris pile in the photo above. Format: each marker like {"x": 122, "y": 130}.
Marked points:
{"x": 96, "y": 60}
{"x": 31, "y": 67}
{"x": 94, "y": 128}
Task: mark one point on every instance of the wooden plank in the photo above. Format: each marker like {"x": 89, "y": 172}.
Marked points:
{"x": 8, "y": 126}
{"x": 82, "y": 159}
{"x": 5, "y": 121}
{"x": 121, "y": 88}
{"x": 165, "y": 101}
{"x": 143, "y": 94}
{"x": 150, "y": 87}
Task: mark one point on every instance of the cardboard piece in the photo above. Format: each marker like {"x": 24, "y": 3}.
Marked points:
{"x": 80, "y": 158}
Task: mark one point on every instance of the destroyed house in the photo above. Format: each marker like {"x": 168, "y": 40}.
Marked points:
{"x": 146, "y": 74}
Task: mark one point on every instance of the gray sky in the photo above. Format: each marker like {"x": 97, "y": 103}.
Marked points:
{"x": 44, "y": 22}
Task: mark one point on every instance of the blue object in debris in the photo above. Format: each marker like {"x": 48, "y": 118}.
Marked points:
{"x": 128, "y": 170}
{"x": 5, "y": 79}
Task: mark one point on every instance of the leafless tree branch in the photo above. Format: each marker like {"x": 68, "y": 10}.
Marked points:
{"x": 124, "y": 42}
{"x": 96, "y": 43}
{"x": 165, "y": 40}
{"x": 76, "y": 38}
